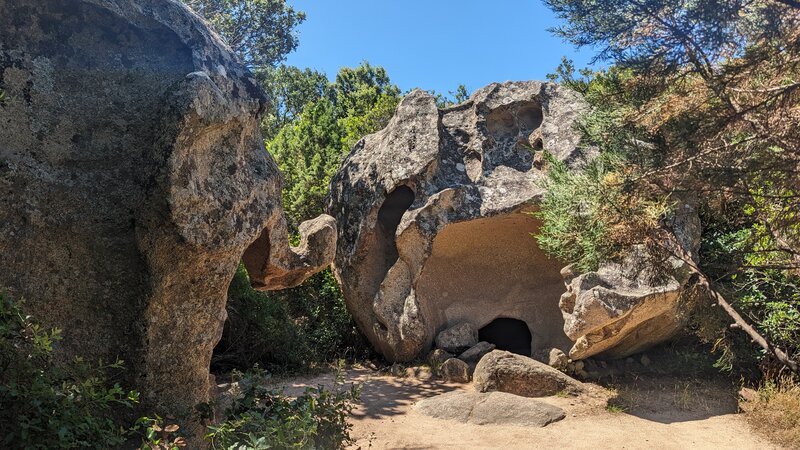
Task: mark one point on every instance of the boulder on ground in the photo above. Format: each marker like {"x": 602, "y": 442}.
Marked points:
{"x": 557, "y": 359}
{"x": 627, "y": 307}
{"x": 455, "y": 370}
{"x": 476, "y": 352}
{"x": 437, "y": 357}
{"x": 458, "y": 338}
{"x": 133, "y": 177}
{"x": 516, "y": 374}
{"x": 491, "y": 408}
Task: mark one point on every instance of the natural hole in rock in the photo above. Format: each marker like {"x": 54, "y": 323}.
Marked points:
{"x": 501, "y": 124}
{"x": 389, "y": 215}
{"x": 255, "y": 257}
{"x": 530, "y": 117}
{"x": 508, "y": 334}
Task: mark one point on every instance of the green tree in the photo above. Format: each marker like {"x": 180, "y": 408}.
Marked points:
{"x": 460, "y": 95}
{"x": 702, "y": 101}
{"x": 290, "y": 90}
{"x": 309, "y": 150}
{"x": 261, "y": 32}
{"x": 359, "y": 89}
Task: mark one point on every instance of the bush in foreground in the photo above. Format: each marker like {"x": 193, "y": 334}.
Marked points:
{"x": 775, "y": 410}
{"x": 264, "y": 418}
{"x": 49, "y": 406}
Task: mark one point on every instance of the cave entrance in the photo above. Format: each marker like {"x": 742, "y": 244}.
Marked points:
{"x": 389, "y": 216}
{"x": 508, "y": 334}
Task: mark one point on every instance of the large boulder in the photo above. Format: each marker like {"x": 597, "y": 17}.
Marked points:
{"x": 133, "y": 178}
{"x": 433, "y": 218}
{"x": 516, "y": 374}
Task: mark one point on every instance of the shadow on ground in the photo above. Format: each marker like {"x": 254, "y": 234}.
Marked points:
{"x": 381, "y": 396}
{"x": 669, "y": 400}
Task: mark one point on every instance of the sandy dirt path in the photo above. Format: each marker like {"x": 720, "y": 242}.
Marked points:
{"x": 659, "y": 414}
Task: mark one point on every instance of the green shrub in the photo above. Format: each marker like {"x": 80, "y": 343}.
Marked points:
{"x": 258, "y": 330}
{"x": 49, "y": 406}
{"x": 264, "y": 418}
{"x": 287, "y": 331}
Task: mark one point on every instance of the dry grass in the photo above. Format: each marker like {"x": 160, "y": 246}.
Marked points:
{"x": 775, "y": 412}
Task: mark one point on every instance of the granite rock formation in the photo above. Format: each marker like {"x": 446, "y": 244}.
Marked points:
{"x": 628, "y": 306}
{"x": 133, "y": 179}
{"x": 434, "y": 234}
{"x": 433, "y": 223}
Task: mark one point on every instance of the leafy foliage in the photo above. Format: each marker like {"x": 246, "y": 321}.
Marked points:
{"x": 585, "y": 215}
{"x": 261, "y": 32}
{"x": 290, "y": 90}
{"x": 297, "y": 329}
{"x": 309, "y": 150}
{"x": 701, "y": 104}
{"x": 460, "y": 95}
{"x": 264, "y": 418}
{"x": 44, "y": 405}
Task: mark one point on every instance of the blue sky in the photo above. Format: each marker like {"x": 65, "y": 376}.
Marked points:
{"x": 433, "y": 44}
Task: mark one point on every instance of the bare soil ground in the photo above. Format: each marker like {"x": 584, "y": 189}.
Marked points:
{"x": 653, "y": 412}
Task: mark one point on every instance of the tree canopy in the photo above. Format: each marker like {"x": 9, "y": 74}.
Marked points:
{"x": 261, "y": 32}
{"x": 360, "y": 101}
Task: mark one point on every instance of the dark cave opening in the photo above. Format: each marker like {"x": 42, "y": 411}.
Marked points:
{"x": 508, "y": 334}
{"x": 389, "y": 215}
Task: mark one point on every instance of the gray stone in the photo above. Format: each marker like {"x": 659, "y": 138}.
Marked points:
{"x": 133, "y": 177}
{"x": 457, "y": 338}
{"x": 437, "y": 357}
{"x": 433, "y": 229}
{"x": 476, "y": 352}
{"x": 492, "y": 408}
{"x": 455, "y": 370}
{"x": 516, "y": 374}
{"x": 557, "y": 359}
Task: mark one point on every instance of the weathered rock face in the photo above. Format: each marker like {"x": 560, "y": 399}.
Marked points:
{"x": 133, "y": 178}
{"x": 433, "y": 229}
{"x": 622, "y": 308}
